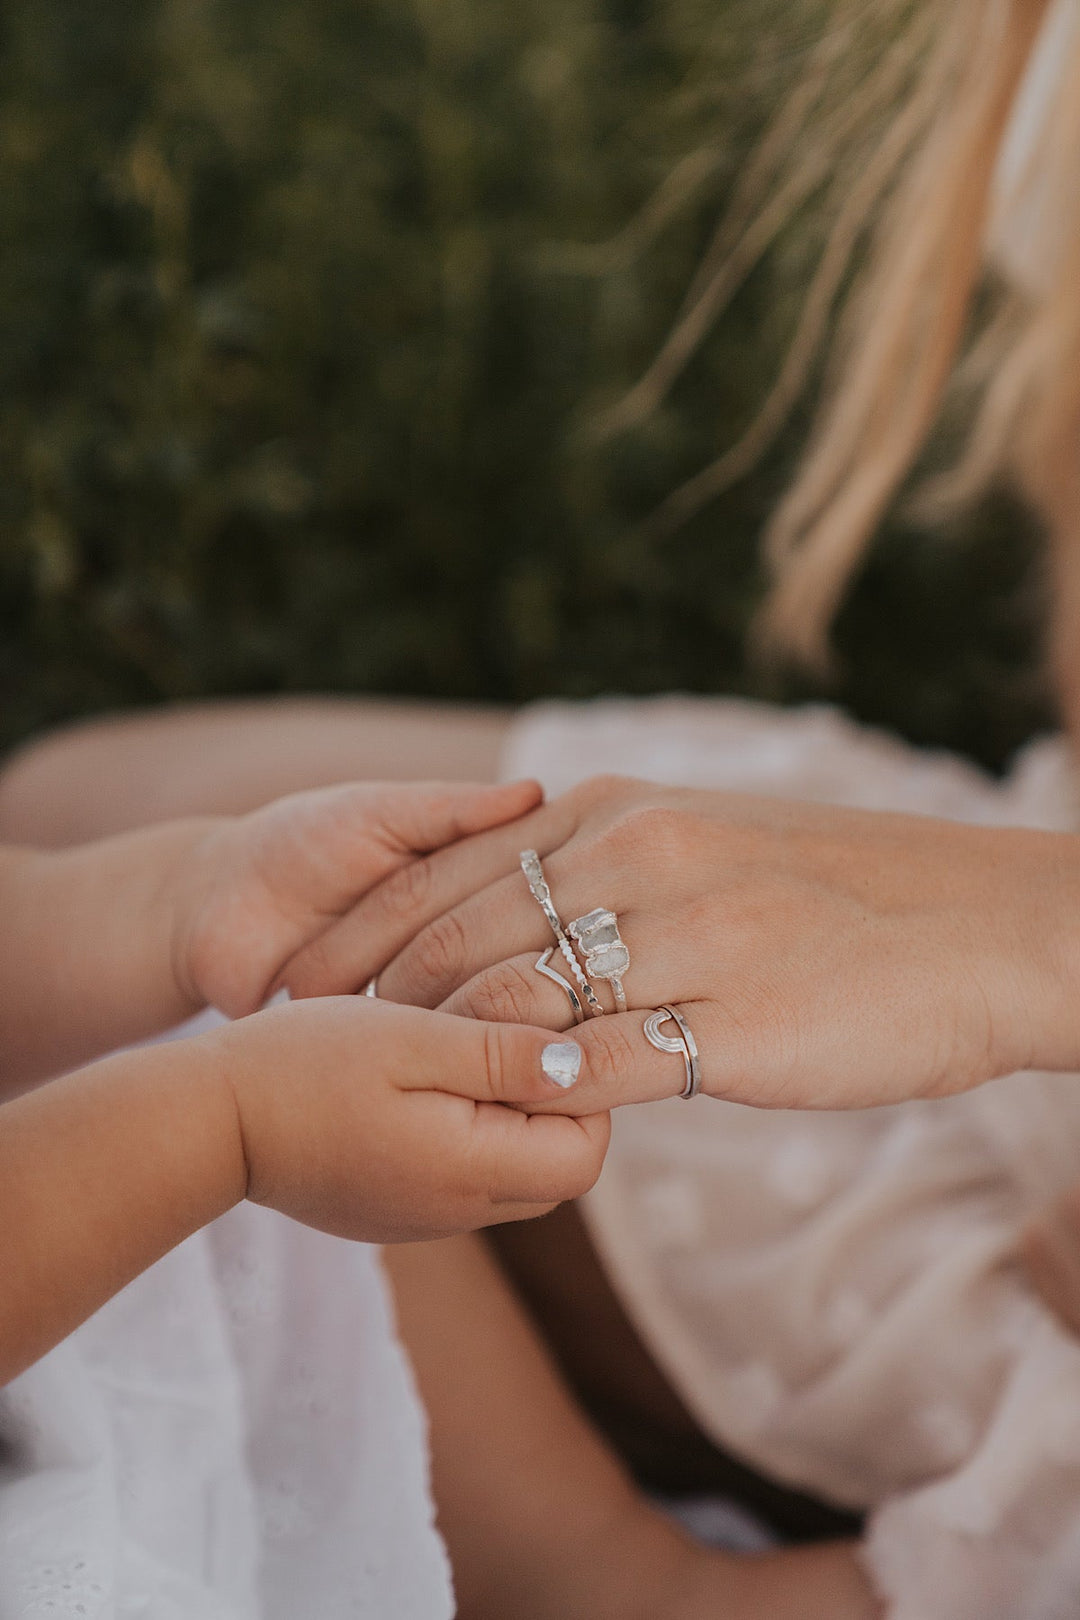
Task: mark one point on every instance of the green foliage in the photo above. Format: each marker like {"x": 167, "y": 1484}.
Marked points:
{"x": 296, "y": 362}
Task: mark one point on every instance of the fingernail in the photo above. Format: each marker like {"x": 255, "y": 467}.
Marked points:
{"x": 561, "y": 1062}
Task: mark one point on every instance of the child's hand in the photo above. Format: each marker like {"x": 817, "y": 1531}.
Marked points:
{"x": 256, "y": 889}
{"x": 357, "y": 1117}
{"x": 390, "y": 1123}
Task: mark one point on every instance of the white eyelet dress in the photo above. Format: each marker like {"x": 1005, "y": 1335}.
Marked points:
{"x": 234, "y": 1436}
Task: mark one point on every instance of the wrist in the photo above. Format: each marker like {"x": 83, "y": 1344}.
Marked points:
{"x": 101, "y": 1174}
{"x": 190, "y": 880}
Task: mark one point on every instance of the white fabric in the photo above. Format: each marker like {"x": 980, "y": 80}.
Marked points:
{"x": 836, "y": 1296}
{"x": 235, "y": 1436}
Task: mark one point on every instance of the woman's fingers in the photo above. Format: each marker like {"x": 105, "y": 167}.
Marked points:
{"x": 517, "y": 992}
{"x": 501, "y": 922}
{"x": 385, "y": 920}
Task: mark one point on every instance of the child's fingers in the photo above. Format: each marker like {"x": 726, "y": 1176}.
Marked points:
{"x": 419, "y": 817}
{"x": 588, "y": 1070}
{"x": 535, "y": 1160}
{"x": 415, "y": 894}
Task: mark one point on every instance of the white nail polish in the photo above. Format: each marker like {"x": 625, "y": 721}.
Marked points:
{"x": 561, "y": 1062}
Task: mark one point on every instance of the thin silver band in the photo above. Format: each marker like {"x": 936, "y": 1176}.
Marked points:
{"x": 557, "y": 978}
{"x": 372, "y": 988}
{"x": 685, "y": 1045}
{"x": 534, "y": 877}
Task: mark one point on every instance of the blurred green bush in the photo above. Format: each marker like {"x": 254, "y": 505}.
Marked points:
{"x": 296, "y": 358}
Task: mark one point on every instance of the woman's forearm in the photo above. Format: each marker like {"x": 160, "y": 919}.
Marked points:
{"x": 101, "y": 1173}
{"x": 87, "y": 962}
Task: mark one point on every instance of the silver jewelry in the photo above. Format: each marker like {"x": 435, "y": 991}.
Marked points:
{"x": 606, "y": 957}
{"x": 534, "y": 877}
{"x": 372, "y": 987}
{"x": 684, "y": 1043}
{"x": 557, "y": 978}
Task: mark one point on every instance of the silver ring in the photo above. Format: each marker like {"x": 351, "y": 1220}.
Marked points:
{"x": 684, "y": 1044}
{"x": 606, "y": 956}
{"x": 534, "y": 877}
{"x": 372, "y": 987}
{"x": 557, "y": 978}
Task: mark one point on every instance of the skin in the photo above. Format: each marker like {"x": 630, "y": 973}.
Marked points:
{"x": 95, "y": 778}
{"x": 541, "y": 1520}
{"x": 160, "y": 765}
{"x": 99, "y": 777}
{"x": 824, "y": 958}
{"x": 540, "y": 1517}
{"x": 374, "y": 1122}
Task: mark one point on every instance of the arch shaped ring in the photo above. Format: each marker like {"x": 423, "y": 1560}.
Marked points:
{"x": 684, "y": 1044}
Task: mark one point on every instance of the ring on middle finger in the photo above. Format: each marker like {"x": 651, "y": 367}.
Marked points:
{"x": 605, "y": 953}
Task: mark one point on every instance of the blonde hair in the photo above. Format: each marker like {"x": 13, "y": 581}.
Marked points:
{"x": 952, "y": 75}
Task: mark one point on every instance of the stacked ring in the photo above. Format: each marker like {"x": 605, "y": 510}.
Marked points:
{"x": 683, "y": 1043}
{"x": 534, "y": 877}
{"x": 606, "y": 957}
{"x": 549, "y": 973}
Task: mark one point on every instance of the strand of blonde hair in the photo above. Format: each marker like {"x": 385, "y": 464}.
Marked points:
{"x": 903, "y": 334}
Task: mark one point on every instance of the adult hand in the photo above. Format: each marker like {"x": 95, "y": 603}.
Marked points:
{"x": 392, "y": 1124}
{"x": 253, "y": 890}
{"x": 823, "y": 957}
{"x": 372, "y": 1122}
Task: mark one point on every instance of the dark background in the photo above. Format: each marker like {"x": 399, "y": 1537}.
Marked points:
{"x": 294, "y": 367}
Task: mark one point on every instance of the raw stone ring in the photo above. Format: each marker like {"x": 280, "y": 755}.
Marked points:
{"x": 606, "y": 957}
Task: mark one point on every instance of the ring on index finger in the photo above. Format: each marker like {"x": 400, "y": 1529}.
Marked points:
{"x": 538, "y": 888}
{"x": 542, "y": 966}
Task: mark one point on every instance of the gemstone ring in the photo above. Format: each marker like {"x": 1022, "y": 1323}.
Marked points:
{"x": 606, "y": 957}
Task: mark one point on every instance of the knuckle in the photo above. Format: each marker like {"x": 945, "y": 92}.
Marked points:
{"x": 498, "y": 1067}
{"x": 437, "y": 953}
{"x": 611, "y": 1055}
{"x": 665, "y": 833}
{"x": 500, "y": 995}
{"x": 606, "y": 785}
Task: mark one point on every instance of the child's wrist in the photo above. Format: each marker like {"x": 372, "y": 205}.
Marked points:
{"x": 190, "y": 878}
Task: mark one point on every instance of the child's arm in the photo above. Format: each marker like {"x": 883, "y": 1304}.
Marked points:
{"x": 356, "y": 1117}
{"x": 107, "y": 943}
{"x": 101, "y": 1173}
{"x": 86, "y": 949}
